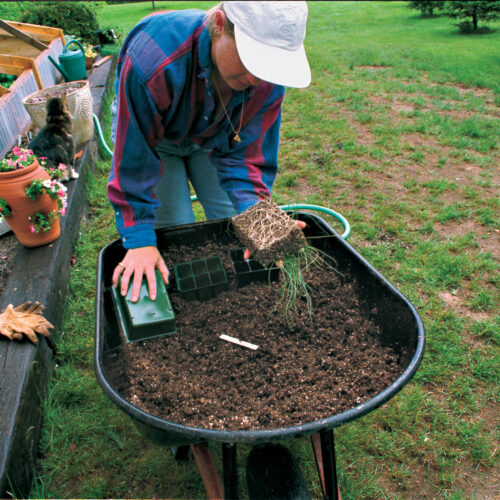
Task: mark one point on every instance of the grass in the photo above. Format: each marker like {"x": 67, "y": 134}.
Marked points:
{"x": 399, "y": 133}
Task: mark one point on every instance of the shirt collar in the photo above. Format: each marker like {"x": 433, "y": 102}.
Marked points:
{"x": 204, "y": 54}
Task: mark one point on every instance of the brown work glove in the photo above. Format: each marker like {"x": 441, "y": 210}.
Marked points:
{"x": 25, "y": 319}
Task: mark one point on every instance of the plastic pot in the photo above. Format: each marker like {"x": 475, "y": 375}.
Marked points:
{"x": 145, "y": 318}
{"x": 250, "y": 270}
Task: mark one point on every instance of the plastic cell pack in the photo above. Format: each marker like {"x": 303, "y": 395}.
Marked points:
{"x": 249, "y": 270}
{"x": 201, "y": 279}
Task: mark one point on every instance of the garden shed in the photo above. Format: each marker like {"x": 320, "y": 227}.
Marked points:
{"x": 24, "y": 51}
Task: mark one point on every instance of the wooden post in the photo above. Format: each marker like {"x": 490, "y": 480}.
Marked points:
{"x": 209, "y": 474}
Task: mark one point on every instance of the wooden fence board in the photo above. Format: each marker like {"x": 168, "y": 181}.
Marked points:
{"x": 41, "y": 33}
{"x": 22, "y": 36}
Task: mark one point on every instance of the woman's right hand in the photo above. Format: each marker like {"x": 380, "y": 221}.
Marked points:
{"x": 138, "y": 262}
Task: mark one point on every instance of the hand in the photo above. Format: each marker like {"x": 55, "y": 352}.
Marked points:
{"x": 140, "y": 261}
{"x": 246, "y": 254}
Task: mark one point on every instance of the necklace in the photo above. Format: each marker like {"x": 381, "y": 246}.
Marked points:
{"x": 236, "y": 137}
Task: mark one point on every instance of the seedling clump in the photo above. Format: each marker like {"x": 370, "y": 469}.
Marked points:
{"x": 272, "y": 236}
{"x": 268, "y": 232}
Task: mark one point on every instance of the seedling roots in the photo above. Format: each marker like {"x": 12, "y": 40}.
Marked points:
{"x": 272, "y": 236}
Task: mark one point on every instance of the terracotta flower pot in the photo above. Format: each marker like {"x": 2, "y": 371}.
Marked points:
{"x": 12, "y": 189}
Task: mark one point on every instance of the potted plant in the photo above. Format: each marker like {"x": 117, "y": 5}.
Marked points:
{"x": 31, "y": 197}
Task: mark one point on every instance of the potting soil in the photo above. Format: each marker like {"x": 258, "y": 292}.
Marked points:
{"x": 42, "y": 97}
{"x": 303, "y": 371}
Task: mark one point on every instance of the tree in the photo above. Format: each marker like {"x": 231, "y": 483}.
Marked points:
{"x": 475, "y": 10}
{"x": 427, "y": 7}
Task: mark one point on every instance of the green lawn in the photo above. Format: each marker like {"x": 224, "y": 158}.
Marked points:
{"x": 399, "y": 132}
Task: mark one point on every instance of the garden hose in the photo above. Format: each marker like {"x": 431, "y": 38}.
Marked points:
{"x": 329, "y": 211}
{"x": 101, "y": 138}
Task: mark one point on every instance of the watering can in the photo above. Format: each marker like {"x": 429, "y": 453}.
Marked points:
{"x": 71, "y": 63}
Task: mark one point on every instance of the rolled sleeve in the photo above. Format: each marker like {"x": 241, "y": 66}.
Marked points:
{"x": 135, "y": 166}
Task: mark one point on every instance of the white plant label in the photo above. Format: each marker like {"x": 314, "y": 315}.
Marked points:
{"x": 239, "y": 342}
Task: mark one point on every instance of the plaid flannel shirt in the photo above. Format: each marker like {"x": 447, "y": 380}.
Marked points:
{"x": 164, "y": 91}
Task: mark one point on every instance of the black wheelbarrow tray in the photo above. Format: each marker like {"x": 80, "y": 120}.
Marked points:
{"x": 398, "y": 320}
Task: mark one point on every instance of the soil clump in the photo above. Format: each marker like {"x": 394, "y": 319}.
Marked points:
{"x": 268, "y": 232}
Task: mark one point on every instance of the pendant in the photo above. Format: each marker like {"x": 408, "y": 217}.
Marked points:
{"x": 236, "y": 138}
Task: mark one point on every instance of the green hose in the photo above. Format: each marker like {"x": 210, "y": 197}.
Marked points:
{"x": 329, "y": 211}
{"x": 99, "y": 131}
{"x": 347, "y": 227}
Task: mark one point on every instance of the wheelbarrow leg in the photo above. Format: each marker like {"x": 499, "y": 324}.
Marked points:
{"x": 230, "y": 471}
{"x": 208, "y": 471}
{"x": 324, "y": 453}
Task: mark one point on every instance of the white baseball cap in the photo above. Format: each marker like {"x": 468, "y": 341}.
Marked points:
{"x": 270, "y": 40}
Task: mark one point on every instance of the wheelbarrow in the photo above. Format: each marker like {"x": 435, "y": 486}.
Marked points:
{"x": 398, "y": 321}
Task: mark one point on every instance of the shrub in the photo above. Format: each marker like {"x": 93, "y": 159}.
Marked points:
{"x": 428, "y": 8}
{"x": 6, "y": 80}
{"x": 10, "y": 11}
{"x": 74, "y": 18}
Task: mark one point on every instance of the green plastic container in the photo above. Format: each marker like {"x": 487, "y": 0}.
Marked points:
{"x": 249, "y": 270}
{"x": 145, "y": 318}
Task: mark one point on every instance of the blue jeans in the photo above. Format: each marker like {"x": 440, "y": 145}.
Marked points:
{"x": 183, "y": 163}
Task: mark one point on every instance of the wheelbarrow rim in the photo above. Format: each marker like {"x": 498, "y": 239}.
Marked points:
{"x": 199, "y": 434}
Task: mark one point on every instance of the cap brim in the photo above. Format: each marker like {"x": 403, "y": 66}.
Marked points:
{"x": 272, "y": 64}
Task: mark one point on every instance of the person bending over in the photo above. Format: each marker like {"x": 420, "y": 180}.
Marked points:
{"x": 198, "y": 98}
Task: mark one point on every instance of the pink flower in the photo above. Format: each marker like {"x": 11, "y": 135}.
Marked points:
{"x": 61, "y": 166}
{"x": 32, "y": 228}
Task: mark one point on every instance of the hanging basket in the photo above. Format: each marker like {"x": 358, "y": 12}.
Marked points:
{"x": 12, "y": 188}
{"x": 78, "y": 101}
